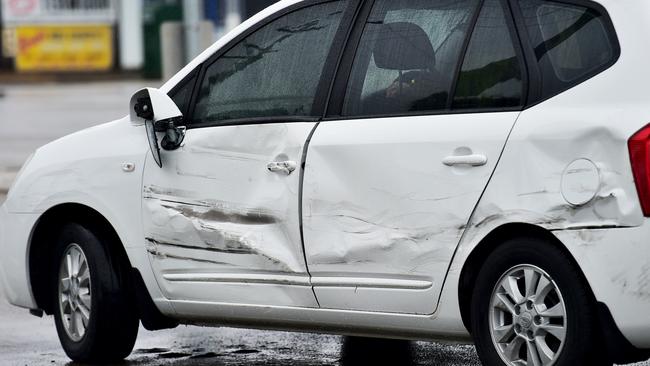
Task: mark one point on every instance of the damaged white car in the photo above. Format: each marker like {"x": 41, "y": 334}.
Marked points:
{"x": 467, "y": 170}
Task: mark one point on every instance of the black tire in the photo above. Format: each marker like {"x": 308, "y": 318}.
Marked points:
{"x": 112, "y": 325}
{"x": 582, "y": 343}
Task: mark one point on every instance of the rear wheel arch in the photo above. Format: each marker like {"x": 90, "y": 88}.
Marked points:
{"x": 487, "y": 245}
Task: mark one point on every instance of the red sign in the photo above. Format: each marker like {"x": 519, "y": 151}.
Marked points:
{"x": 22, "y": 7}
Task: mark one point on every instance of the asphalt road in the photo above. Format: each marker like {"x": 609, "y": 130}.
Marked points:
{"x": 35, "y": 115}
{"x": 27, "y": 340}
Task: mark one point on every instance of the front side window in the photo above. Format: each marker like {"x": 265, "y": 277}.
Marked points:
{"x": 407, "y": 56}
{"x": 182, "y": 93}
{"x": 275, "y": 72}
{"x": 491, "y": 75}
{"x": 571, "y": 42}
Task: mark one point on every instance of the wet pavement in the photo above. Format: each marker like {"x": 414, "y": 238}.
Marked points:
{"x": 27, "y": 340}
{"x": 35, "y": 115}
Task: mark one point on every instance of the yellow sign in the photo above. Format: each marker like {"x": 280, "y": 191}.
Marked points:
{"x": 64, "y": 48}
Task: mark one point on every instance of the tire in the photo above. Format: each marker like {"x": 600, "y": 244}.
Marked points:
{"x": 104, "y": 326}
{"x": 557, "y": 315}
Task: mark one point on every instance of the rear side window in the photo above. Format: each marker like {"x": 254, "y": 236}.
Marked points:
{"x": 491, "y": 76}
{"x": 571, "y": 42}
{"x": 407, "y": 56}
{"x": 275, "y": 72}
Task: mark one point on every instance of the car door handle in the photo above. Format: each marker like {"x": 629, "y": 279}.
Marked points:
{"x": 286, "y": 167}
{"x": 472, "y": 160}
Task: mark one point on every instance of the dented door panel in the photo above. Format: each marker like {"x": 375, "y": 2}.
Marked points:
{"x": 220, "y": 226}
{"x": 382, "y": 211}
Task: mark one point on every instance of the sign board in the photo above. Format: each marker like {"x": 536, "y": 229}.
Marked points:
{"x": 17, "y": 12}
{"x": 64, "y": 47}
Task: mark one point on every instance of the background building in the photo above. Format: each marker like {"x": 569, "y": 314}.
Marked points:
{"x": 112, "y": 36}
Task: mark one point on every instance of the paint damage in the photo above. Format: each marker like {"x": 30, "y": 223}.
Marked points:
{"x": 382, "y": 241}
{"x": 380, "y": 206}
{"x": 215, "y": 211}
{"x": 579, "y": 181}
{"x": 215, "y": 228}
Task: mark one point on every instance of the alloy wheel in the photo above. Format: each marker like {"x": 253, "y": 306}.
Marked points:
{"x": 528, "y": 320}
{"x": 74, "y": 292}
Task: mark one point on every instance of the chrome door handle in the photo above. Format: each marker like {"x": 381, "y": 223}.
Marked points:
{"x": 472, "y": 160}
{"x": 286, "y": 167}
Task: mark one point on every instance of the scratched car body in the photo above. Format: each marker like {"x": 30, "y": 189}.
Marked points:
{"x": 433, "y": 170}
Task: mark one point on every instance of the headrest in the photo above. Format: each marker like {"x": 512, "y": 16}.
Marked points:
{"x": 403, "y": 46}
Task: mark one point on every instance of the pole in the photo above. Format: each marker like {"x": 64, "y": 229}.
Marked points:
{"x": 233, "y": 14}
{"x": 192, "y": 17}
{"x": 130, "y": 34}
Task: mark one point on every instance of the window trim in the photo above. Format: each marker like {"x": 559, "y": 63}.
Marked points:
{"x": 536, "y": 96}
{"x": 323, "y": 90}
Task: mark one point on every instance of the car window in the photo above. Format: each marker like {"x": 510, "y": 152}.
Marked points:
{"x": 491, "y": 75}
{"x": 274, "y": 72}
{"x": 407, "y": 56}
{"x": 571, "y": 42}
{"x": 182, "y": 93}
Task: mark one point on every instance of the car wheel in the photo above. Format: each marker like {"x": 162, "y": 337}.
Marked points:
{"x": 95, "y": 318}
{"x": 531, "y": 306}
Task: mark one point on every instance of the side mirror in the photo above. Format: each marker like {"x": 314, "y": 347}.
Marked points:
{"x": 158, "y": 112}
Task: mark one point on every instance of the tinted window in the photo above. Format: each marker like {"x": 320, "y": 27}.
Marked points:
{"x": 491, "y": 72}
{"x": 407, "y": 57}
{"x": 571, "y": 42}
{"x": 181, "y": 95}
{"x": 274, "y": 72}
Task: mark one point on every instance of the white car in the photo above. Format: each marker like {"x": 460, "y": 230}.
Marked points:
{"x": 467, "y": 170}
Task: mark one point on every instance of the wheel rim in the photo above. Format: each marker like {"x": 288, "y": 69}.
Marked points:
{"x": 74, "y": 292}
{"x": 527, "y": 317}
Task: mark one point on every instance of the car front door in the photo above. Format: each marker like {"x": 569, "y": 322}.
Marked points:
{"x": 394, "y": 173}
{"x": 221, "y": 216}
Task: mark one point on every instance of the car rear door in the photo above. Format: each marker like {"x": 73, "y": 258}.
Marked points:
{"x": 222, "y": 214}
{"x": 394, "y": 173}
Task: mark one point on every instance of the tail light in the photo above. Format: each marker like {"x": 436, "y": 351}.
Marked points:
{"x": 639, "y": 146}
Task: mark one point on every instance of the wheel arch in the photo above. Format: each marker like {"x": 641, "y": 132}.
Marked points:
{"x": 489, "y": 243}
{"x": 41, "y": 249}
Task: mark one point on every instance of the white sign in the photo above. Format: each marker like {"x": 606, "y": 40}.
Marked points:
{"x": 17, "y": 12}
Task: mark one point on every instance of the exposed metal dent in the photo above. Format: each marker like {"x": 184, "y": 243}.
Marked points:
{"x": 178, "y": 244}
{"x": 154, "y": 249}
{"x": 215, "y": 225}
{"x": 222, "y": 213}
